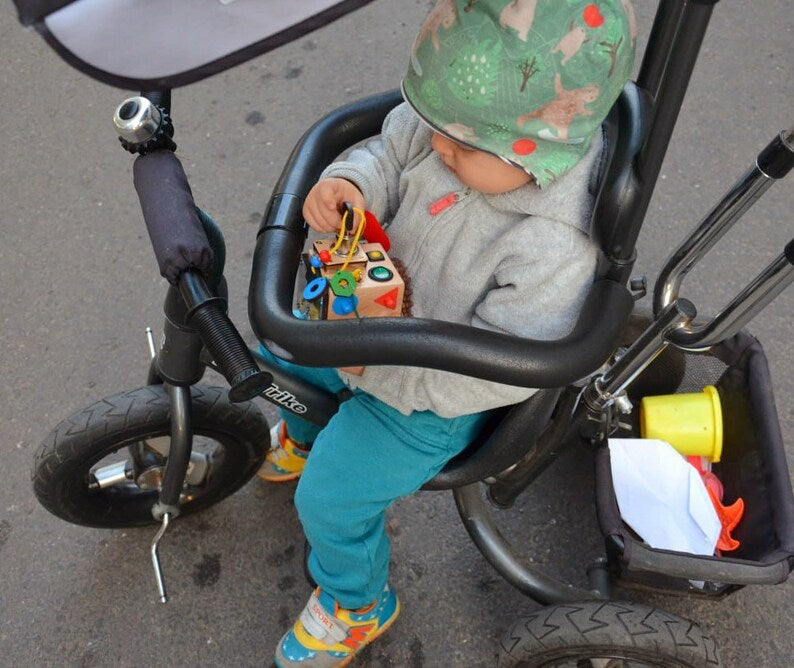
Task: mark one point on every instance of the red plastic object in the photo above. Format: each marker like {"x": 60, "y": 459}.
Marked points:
{"x": 374, "y": 233}
{"x": 713, "y": 483}
{"x": 729, "y": 517}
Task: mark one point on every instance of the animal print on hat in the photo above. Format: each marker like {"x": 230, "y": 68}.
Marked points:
{"x": 528, "y": 80}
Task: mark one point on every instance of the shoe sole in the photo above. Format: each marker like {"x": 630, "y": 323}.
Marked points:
{"x": 282, "y": 478}
{"x": 374, "y": 636}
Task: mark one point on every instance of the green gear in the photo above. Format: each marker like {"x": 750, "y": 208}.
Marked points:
{"x": 343, "y": 284}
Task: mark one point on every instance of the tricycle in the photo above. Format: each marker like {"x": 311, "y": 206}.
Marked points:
{"x": 175, "y": 445}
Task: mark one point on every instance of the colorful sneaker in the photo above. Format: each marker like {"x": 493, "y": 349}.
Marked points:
{"x": 326, "y": 635}
{"x": 285, "y": 459}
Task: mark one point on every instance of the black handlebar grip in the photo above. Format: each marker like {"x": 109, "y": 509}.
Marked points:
{"x": 207, "y": 315}
{"x": 230, "y": 352}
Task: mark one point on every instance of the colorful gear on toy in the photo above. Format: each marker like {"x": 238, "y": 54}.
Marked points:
{"x": 343, "y": 284}
{"x": 315, "y": 288}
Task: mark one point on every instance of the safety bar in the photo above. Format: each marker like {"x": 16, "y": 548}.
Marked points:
{"x": 404, "y": 341}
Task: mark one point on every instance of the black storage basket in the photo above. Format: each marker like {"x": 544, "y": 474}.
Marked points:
{"x": 753, "y": 467}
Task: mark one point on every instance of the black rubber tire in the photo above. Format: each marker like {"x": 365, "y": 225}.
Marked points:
{"x": 564, "y": 634}
{"x": 61, "y": 466}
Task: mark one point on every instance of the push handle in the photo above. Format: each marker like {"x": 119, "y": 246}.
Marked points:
{"x": 207, "y": 315}
{"x": 772, "y": 164}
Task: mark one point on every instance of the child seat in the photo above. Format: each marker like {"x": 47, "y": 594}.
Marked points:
{"x": 637, "y": 132}
{"x": 511, "y": 431}
{"x": 413, "y": 341}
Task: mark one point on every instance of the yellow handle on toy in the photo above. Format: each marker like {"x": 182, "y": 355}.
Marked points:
{"x": 341, "y": 237}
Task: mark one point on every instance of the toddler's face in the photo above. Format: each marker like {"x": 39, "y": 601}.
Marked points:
{"x": 478, "y": 170}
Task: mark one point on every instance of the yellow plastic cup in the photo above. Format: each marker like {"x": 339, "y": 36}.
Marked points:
{"x": 691, "y": 423}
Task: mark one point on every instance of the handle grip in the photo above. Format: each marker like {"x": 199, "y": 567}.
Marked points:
{"x": 207, "y": 315}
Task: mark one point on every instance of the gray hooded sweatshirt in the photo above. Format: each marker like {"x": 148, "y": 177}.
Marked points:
{"x": 519, "y": 262}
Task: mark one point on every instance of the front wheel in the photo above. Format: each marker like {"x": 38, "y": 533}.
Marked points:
{"x": 85, "y": 472}
{"x": 606, "y": 634}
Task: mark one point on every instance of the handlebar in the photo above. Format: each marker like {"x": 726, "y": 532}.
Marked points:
{"x": 403, "y": 341}
{"x": 184, "y": 254}
{"x": 171, "y": 216}
{"x": 207, "y": 315}
{"x": 773, "y": 163}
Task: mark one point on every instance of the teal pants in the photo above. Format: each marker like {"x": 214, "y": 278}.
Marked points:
{"x": 364, "y": 459}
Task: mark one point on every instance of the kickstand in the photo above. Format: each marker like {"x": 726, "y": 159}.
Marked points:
{"x": 158, "y": 572}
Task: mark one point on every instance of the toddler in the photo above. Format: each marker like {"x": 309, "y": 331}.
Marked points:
{"x": 484, "y": 180}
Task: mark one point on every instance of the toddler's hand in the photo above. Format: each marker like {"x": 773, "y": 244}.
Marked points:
{"x": 325, "y": 199}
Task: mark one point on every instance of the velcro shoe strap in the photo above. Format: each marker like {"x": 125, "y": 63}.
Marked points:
{"x": 321, "y": 624}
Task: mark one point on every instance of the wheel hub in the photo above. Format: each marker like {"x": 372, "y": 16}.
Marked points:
{"x": 151, "y": 478}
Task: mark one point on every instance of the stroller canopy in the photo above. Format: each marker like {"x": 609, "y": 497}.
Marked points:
{"x": 154, "y": 44}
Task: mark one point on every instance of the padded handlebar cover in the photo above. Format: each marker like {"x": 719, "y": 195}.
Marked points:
{"x": 172, "y": 220}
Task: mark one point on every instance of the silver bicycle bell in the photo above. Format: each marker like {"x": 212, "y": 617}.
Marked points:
{"x": 137, "y": 120}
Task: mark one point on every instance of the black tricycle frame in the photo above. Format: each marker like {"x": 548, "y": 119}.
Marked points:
{"x": 520, "y": 441}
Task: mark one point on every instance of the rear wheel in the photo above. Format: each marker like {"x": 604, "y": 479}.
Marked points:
{"x": 606, "y": 634}
{"x": 84, "y": 472}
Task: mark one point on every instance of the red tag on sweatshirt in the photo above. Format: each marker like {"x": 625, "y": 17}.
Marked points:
{"x": 444, "y": 203}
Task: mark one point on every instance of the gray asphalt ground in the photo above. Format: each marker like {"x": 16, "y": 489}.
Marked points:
{"x": 79, "y": 285}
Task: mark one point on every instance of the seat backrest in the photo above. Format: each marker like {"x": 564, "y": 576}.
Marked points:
{"x": 616, "y": 218}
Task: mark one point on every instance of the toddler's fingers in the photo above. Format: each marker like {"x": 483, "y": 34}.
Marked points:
{"x": 323, "y": 206}
{"x": 317, "y": 212}
{"x": 330, "y": 197}
{"x": 347, "y": 192}
{"x": 316, "y": 216}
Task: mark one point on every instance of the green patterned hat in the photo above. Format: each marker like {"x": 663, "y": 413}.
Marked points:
{"x": 527, "y": 80}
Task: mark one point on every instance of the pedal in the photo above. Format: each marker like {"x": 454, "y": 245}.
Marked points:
{"x": 150, "y": 343}
{"x": 158, "y": 571}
